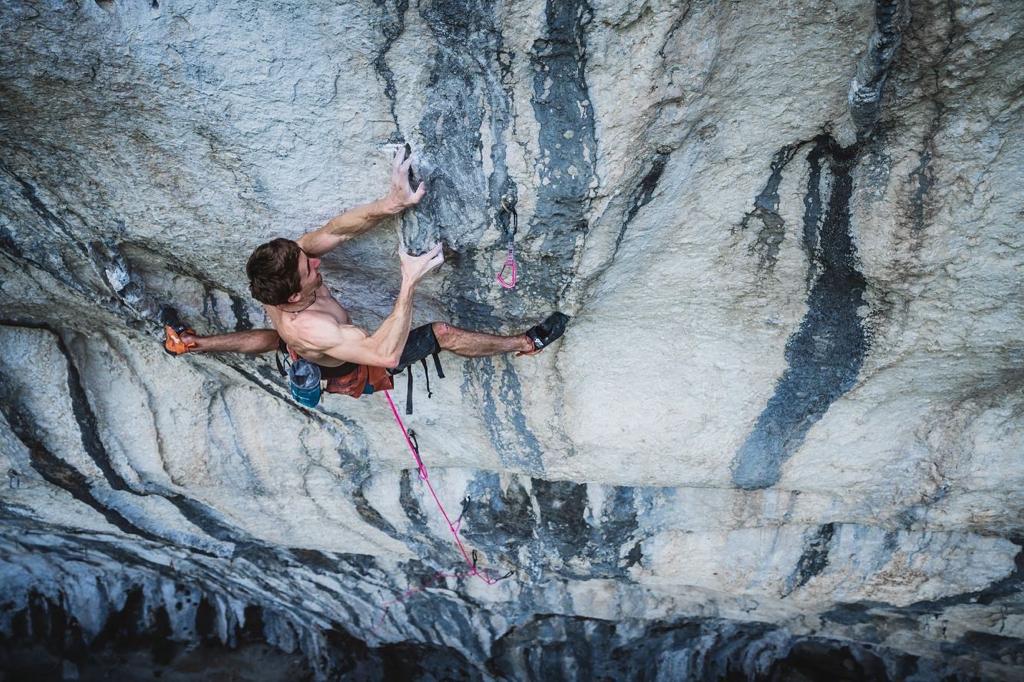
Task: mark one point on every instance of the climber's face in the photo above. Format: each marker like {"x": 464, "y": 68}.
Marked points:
{"x": 310, "y": 278}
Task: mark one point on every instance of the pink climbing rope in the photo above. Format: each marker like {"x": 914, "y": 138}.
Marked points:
{"x": 453, "y": 527}
{"x": 426, "y": 479}
{"x": 412, "y": 448}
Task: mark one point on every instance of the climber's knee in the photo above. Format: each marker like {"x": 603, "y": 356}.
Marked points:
{"x": 443, "y": 332}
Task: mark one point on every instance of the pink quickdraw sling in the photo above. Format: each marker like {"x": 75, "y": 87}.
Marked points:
{"x": 509, "y": 267}
{"x": 509, "y": 274}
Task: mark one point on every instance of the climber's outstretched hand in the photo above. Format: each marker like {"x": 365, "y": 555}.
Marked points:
{"x": 414, "y": 268}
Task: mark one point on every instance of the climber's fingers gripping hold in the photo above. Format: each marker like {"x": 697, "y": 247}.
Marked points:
{"x": 401, "y": 195}
{"x": 414, "y": 268}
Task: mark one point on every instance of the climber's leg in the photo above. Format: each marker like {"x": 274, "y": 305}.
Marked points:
{"x": 477, "y": 344}
{"x": 251, "y": 341}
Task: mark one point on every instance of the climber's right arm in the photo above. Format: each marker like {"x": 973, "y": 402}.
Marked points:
{"x": 358, "y": 220}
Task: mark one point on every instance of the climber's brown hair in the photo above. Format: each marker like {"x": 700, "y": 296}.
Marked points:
{"x": 273, "y": 271}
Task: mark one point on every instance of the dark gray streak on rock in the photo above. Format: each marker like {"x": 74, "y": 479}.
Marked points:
{"x": 86, "y": 420}
{"x": 242, "y": 321}
{"x": 500, "y": 521}
{"x": 370, "y": 515}
{"x": 565, "y": 115}
{"x": 825, "y": 354}
{"x": 568, "y": 145}
{"x": 502, "y": 414}
{"x": 410, "y": 505}
{"x": 642, "y": 194}
{"x": 61, "y": 474}
{"x": 468, "y": 91}
{"x": 813, "y": 560}
{"x": 923, "y": 176}
{"x": 562, "y": 506}
{"x": 522, "y": 449}
{"x": 766, "y": 211}
{"x": 504, "y": 523}
{"x": 199, "y": 514}
{"x": 549, "y": 647}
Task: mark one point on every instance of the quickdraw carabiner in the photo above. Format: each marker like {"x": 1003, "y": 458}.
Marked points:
{"x": 509, "y": 273}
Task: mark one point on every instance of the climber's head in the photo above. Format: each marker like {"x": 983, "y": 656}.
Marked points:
{"x": 280, "y": 272}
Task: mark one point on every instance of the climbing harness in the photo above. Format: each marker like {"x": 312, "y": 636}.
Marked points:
{"x": 422, "y": 342}
{"x": 426, "y": 377}
{"x": 471, "y": 557}
{"x": 510, "y": 267}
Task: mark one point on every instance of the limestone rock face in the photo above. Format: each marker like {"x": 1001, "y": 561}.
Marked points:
{"x": 787, "y": 419}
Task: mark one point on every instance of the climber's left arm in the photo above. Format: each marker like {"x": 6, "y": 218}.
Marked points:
{"x": 357, "y": 220}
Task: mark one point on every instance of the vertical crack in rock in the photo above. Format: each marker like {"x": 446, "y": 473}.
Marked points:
{"x": 865, "y": 95}
{"x": 923, "y": 176}
{"x": 766, "y": 211}
{"x": 392, "y": 26}
{"x": 825, "y": 355}
{"x": 568, "y": 148}
{"x": 813, "y": 560}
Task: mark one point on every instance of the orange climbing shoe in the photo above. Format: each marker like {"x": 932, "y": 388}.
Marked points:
{"x": 174, "y": 344}
{"x": 173, "y": 329}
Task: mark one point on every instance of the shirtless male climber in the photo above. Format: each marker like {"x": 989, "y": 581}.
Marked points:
{"x": 285, "y": 276}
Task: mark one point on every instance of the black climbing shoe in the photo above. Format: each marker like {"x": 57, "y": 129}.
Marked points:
{"x": 547, "y": 331}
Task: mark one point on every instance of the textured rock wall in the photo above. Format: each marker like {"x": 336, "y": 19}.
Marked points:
{"x": 786, "y": 423}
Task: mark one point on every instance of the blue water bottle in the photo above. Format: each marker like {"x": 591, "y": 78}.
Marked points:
{"x": 304, "y": 381}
